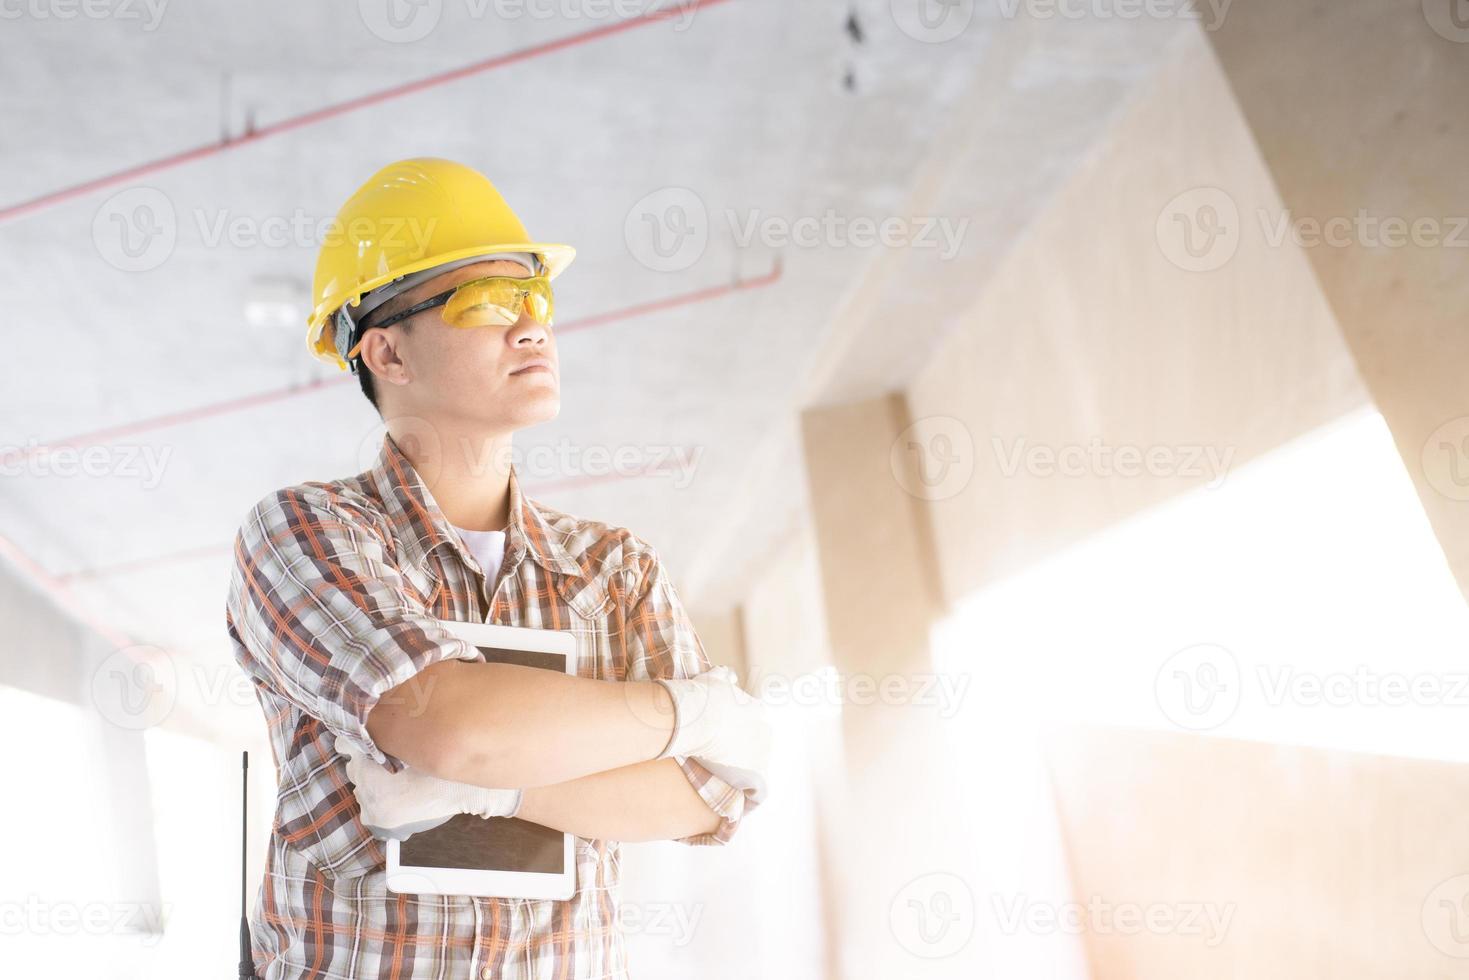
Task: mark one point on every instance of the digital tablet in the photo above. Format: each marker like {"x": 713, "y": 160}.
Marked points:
{"x": 495, "y": 857}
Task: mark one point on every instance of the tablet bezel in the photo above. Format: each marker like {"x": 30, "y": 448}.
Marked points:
{"x": 422, "y": 880}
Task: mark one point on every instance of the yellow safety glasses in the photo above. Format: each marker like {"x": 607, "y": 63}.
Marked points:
{"x": 494, "y": 301}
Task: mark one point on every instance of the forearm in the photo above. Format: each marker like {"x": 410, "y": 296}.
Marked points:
{"x": 512, "y": 726}
{"x": 643, "y": 802}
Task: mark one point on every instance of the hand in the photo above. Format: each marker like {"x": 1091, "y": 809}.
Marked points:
{"x": 397, "y": 805}
{"x": 727, "y": 730}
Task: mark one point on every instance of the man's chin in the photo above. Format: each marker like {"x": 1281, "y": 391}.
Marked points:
{"x": 528, "y": 412}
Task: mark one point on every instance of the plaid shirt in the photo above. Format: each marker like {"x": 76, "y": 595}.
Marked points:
{"x": 332, "y": 603}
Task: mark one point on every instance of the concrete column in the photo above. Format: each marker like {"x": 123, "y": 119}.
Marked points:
{"x": 785, "y": 643}
{"x": 897, "y": 823}
{"x": 874, "y": 547}
{"x": 723, "y": 635}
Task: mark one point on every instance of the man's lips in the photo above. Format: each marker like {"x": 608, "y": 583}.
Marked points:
{"x": 534, "y": 366}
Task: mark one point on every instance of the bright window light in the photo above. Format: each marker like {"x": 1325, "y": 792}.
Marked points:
{"x": 1305, "y": 601}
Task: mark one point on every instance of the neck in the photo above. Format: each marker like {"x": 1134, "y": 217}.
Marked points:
{"x": 466, "y": 469}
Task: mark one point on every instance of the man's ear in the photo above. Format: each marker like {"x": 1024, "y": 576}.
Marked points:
{"x": 382, "y": 354}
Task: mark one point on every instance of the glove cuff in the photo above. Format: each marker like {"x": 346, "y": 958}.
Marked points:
{"x": 485, "y": 802}
{"x": 673, "y": 747}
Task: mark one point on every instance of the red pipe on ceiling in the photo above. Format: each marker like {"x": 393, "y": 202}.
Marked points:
{"x": 56, "y": 197}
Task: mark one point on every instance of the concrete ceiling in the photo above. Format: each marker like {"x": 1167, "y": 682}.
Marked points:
{"x": 736, "y": 111}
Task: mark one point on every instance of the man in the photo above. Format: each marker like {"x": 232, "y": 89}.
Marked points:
{"x": 430, "y": 289}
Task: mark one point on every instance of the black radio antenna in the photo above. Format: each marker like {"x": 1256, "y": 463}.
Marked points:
{"x": 247, "y": 958}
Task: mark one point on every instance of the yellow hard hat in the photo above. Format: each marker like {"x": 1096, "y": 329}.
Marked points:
{"x": 411, "y": 216}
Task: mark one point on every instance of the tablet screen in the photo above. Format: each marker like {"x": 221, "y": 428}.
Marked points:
{"x": 496, "y": 843}
{"x": 480, "y": 844}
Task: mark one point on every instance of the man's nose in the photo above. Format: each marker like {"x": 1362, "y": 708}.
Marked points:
{"x": 527, "y": 332}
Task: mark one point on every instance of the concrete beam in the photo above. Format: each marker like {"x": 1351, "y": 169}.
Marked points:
{"x": 1366, "y": 151}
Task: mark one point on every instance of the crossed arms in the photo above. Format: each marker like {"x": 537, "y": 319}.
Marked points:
{"x": 583, "y": 750}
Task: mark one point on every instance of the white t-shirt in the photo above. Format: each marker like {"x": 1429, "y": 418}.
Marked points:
{"x": 488, "y": 548}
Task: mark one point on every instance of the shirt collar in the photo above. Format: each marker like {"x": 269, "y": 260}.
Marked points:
{"x": 421, "y": 527}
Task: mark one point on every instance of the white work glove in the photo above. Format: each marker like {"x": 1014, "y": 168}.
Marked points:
{"x": 727, "y": 730}
{"x": 397, "y": 805}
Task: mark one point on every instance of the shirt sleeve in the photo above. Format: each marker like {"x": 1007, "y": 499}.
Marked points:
{"x": 662, "y": 643}
{"x": 325, "y": 618}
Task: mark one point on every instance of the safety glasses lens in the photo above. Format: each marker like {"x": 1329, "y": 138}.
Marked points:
{"x": 498, "y": 302}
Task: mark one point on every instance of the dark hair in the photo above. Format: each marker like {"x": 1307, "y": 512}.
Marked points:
{"x": 364, "y": 373}
{"x": 364, "y": 378}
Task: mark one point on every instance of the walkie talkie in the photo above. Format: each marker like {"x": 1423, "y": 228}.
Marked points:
{"x": 247, "y": 958}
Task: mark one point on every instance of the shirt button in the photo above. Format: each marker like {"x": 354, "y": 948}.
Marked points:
{"x": 485, "y": 973}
